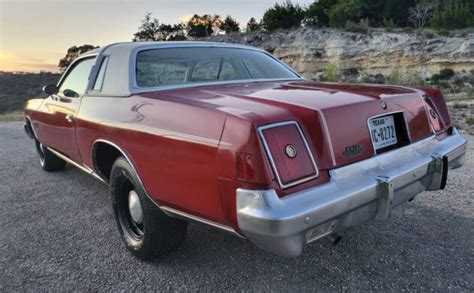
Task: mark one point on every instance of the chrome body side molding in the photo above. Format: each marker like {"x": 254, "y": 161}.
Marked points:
{"x": 80, "y": 167}
{"x": 180, "y": 214}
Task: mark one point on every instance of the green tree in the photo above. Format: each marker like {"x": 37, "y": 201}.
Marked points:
{"x": 350, "y": 10}
{"x": 148, "y": 30}
{"x": 317, "y": 13}
{"x": 453, "y": 14}
{"x": 397, "y": 12}
{"x": 203, "y": 26}
{"x": 420, "y": 14}
{"x": 168, "y": 32}
{"x": 286, "y": 15}
{"x": 230, "y": 25}
{"x": 253, "y": 25}
{"x": 152, "y": 30}
{"x": 73, "y": 53}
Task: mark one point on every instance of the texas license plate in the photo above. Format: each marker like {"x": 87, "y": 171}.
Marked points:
{"x": 382, "y": 131}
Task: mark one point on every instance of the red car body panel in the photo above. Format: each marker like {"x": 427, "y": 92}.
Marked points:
{"x": 184, "y": 143}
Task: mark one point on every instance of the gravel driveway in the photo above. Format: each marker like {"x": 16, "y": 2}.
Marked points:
{"x": 58, "y": 233}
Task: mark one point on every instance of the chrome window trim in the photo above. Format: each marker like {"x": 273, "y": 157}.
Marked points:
{"x": 211, "y": 83}
{"x": 386, "y": 114}
{"x": 272, "y": 161}
{"x": 102, "y": 60}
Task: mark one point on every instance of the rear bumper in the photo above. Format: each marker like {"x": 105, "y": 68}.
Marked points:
{"x": 356, "y": 193}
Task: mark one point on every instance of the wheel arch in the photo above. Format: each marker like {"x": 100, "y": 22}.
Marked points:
{"x": 104, "y": 154}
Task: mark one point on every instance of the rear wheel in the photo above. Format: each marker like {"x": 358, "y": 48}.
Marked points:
{"x": 145, "y": 229}
{"x": 49, "y": 161}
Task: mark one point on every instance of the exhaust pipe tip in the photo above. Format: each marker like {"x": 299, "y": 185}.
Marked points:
{"x": 334, "y": 239}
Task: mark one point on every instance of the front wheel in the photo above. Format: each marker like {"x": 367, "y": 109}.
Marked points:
{"x": 49, "y": 161}
{"x": 145, "y": 229}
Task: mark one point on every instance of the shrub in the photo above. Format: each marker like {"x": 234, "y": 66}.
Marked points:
{"x": 350, "y": 71}
{"x": 470, "y": 121}
{"x": 270, "y": 49}
{"x": 395, "y": 77}
{"x": 364, "y": 77}
{"x": 435, "y": 78}
{"x": 361, "y": 27}
{"x": 429, "y": 34}
{"x": 388, "y": 24}
{"x": 446, "y": 73}
{"x": 285, "y": 16}
{"x": 414, "y": 79}
{"x": 330, "y": 72}
{"x": 460, "y": 106}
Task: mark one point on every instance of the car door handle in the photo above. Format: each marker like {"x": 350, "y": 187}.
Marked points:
{"x": 69, "y": 117}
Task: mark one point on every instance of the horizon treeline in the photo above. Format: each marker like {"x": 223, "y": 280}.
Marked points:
{"x": 350, "y": 15}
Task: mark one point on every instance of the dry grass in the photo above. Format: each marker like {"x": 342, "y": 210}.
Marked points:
{"x": 13, "y": 116}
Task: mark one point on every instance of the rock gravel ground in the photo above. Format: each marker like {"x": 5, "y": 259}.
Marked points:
{"x": 58, "y": 233}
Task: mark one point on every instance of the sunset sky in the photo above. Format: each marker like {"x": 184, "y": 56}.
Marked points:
{"x": 35, "y": 34}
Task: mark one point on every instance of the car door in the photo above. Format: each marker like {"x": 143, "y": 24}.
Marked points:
{"x": 57, "y": 124}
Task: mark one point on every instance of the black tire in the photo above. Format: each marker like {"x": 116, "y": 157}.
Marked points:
{"x": 49, "y": 161}
{"x": 156, "y": 234}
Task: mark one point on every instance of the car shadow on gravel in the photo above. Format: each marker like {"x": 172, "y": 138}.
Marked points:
{"x": 409, "y": 250}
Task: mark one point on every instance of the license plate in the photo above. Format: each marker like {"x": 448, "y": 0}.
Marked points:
{"x": 382, "y": 131}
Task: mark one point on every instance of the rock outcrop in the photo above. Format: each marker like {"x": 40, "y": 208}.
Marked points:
{"x": 309, "y": 51}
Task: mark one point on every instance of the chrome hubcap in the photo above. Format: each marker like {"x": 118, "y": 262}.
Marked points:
{"x": 134, "y": 207}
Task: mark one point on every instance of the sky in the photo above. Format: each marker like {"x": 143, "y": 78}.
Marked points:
{"x": 35, "y": 34}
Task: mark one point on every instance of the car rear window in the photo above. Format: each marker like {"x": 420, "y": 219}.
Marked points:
{"x": 169, "y": 66}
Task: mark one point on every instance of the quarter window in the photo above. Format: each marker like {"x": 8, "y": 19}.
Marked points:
{"x": 75, "y": 83}
{"x": 100, "y": 76}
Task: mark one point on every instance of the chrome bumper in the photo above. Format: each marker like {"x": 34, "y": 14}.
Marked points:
{"x": 356, "y": 193}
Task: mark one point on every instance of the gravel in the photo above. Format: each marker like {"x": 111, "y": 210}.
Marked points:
{"x": 58, "y": 233}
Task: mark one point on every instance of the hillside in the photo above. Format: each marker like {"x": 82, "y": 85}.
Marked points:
{"x": 16, "y": 88}
{"x": 310, "y": 51}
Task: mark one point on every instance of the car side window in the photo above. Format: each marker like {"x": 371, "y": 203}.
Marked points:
{"x": 100, "y": 76}
{"x": 75, "y": 83}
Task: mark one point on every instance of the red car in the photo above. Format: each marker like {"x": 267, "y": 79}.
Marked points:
{"x": 229, "y": 136}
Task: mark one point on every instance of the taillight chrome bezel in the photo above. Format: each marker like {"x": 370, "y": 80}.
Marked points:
{"x": 272, "y": 161}
{"x": 430, "y": 105}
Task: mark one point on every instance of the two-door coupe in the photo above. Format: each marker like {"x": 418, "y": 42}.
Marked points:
{"x": 229, "y": 136}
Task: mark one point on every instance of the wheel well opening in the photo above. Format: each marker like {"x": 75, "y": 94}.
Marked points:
{"x": 104, "y": 156}
{"x": 29, "y": 129}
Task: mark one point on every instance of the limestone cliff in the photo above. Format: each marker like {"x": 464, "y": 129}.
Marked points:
{"x": 310, "y": 50}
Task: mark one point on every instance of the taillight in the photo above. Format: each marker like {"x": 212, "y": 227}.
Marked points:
{"x": 435, "y": 120}
{"x": 289, "y": 153}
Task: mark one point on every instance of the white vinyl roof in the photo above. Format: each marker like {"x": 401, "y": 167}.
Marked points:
{"x": 119, "y": 79}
